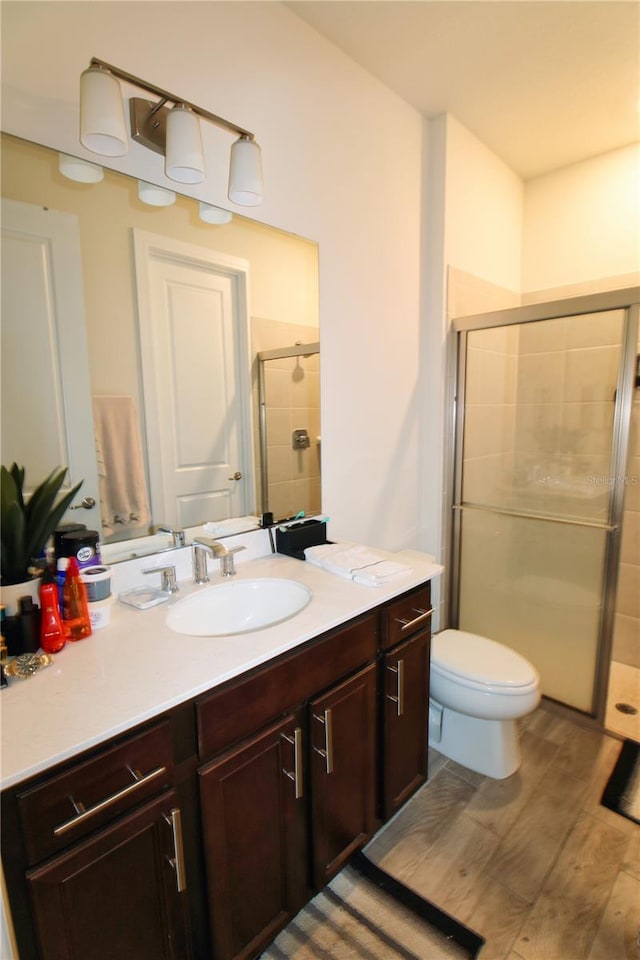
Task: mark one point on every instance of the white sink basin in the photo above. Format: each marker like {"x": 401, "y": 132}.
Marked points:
{"x": 238, "y": 607}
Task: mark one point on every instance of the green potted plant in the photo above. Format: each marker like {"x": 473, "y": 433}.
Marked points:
{"x": 28, "y": 522}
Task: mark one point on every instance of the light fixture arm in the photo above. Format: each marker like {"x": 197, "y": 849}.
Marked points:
{"x": 165, "y": 96}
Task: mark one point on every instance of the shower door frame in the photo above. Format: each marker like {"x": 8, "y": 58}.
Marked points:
{"x": 628, "y": 300}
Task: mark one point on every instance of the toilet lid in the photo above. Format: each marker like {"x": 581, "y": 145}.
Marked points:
{"x": 469, "y": 657}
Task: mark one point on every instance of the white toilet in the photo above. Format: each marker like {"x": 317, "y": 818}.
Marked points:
{"x": 479, "y": 688}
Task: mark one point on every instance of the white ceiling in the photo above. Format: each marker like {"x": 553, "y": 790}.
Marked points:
{"x": 543, "y": 83}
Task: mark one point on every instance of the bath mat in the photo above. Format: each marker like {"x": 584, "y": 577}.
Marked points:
{"x": 622, "y": 792}
{"x": 364, "y": 913}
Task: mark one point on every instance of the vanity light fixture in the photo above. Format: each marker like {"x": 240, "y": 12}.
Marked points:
{"x": 82, "y": 171}
{"x": 211, "y": 214}
{"x": 172, "y": 131}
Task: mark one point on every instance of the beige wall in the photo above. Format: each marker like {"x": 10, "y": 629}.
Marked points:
{"x": 582, "y": 223}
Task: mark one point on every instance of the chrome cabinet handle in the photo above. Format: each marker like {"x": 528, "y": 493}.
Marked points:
{"x": 296, "y": 773}
{"x": 83, "y": 814}
{"x": 422, "y": 616}
{"x": 174, "y": 819}
{"x": 327, "y": 753}
{"x": 399, "y": 698}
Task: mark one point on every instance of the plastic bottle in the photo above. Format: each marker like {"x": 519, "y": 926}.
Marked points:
{"x": 29, "y": 624}
{"x": 52, "y": 635}
{"x": 75, "y": 608}
{"x": 61, "y": 572}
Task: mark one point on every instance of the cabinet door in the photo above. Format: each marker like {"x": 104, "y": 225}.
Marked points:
{"x": 254, "y": 824}
{"x": 343, "y": 723}
{"x": 405, "y": 717}
{"x": 115, "y": 895}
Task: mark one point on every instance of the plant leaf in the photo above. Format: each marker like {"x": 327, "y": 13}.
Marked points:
{"x": 42, "y": 514}
{"x": 25, "y": 528}
{"x": 14, "y": 558}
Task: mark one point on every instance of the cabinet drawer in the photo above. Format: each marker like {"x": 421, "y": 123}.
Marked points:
{"x": 74, "y": 803}
{"x": 239, "y": 710}
{"x": 407, "y": 615}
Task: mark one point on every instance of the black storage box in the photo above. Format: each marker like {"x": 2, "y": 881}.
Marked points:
{"x": 296, "y": 537}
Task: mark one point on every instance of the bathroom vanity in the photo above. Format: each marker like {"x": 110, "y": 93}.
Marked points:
{"x": 177, "y": 797}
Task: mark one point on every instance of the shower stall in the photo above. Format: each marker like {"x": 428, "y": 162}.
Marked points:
{"x": 289, "y": 429}
{"x": 542, "y": 407}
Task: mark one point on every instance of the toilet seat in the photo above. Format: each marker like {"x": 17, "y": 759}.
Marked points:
{"x": 481, "y": 664}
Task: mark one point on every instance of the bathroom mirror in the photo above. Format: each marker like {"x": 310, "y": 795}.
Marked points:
{"x": 175, "y": 396}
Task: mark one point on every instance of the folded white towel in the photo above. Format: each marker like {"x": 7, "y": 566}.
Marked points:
{"x": 225, "y": 528}
{"x": 358, "y": 563}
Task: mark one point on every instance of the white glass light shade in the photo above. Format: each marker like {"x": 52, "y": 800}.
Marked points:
{"x": 155, "y": 196}
{"x": 184, "y": 160}
{"x": 102, "y": 125}
{"x": 211, "y": 214}
{"x": 82, "y": 171}
{"x": 245, "y": 173}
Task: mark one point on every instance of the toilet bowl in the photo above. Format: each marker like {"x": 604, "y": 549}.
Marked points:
{"x": 478, "y": 689}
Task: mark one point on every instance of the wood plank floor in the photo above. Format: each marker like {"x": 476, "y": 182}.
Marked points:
{"x": 532, "y": 863}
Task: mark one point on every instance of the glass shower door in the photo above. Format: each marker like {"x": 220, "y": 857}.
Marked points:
{"x": 532, "y": 509}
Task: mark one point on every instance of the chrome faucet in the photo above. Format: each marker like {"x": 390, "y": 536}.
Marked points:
{"x": 203, "y": 547}
{"x": 178, "y": 536}
{"x": 200, "y": 548}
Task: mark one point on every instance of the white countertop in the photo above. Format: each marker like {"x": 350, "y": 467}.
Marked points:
{"x": 136, "y": 668}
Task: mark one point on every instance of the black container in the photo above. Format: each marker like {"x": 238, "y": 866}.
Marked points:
{"x": 295, "y": 538}
{"x": 61, "y": 532}
{"x": 83, "y": 545}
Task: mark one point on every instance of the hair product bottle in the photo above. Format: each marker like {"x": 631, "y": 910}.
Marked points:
{"x": 75, "y": 608}
{"x": 52, "y": 634}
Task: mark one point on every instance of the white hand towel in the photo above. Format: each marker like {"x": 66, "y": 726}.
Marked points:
{"x": 358, "y": 563}
{"x": 225, "y": 528}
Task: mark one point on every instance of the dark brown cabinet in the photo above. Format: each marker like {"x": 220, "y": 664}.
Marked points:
{"x": 254, "y": 824}
{"x": 284, "y": 809}
{"x": 404, "y": 692}
{"x": 116, "y": 894}
{"x": 276, "y": 778}
{"x": 342, "y": 772}
{"x": 97, "y": 852}
{"x": 405, "y": 712}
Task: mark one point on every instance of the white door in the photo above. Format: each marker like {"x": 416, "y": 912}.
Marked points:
{"x": 195, "y": 366}
{"x": 46, "y": 398}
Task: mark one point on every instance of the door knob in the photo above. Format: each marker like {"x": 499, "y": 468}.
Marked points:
{"x": 87, "y": 504}
{"x": 237, "y": 476}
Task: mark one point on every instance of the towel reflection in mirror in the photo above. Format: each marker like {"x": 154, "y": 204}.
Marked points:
{"x": 124, "y": 498}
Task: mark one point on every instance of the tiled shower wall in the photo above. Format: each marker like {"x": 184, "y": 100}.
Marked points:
{"x": 293, "y": 403}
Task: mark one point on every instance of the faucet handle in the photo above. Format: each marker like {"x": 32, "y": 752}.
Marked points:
{"x": 168, "y": 582}
{"x": 227, "y": 566}
{"x": 215, "y": 548}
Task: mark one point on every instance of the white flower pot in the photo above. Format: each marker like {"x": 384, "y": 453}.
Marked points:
{"x": 10, "y": 594}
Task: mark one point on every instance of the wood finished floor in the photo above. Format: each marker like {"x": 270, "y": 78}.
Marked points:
{"x": 533, "y": 863}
